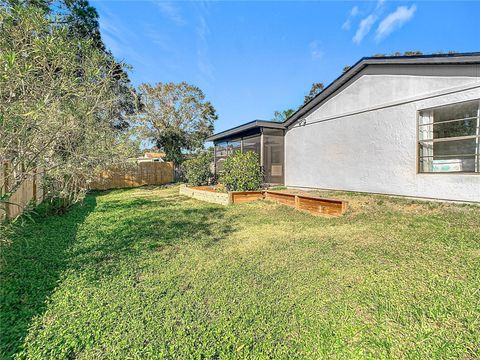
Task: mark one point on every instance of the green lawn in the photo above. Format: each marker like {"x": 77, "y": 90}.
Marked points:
{"x": 145, "y": 273}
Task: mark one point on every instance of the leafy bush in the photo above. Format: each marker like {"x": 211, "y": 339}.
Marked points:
{"x": 242, "y": 172}
{"x": 197, "y": 170}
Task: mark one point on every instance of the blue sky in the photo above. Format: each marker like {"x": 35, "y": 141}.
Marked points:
{"x": 252, "y": 58}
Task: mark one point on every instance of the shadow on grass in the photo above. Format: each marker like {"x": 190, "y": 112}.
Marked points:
{"x": 30, "y": 268}
{"x": 117, "y": 232}
{"x": 136, "y": 228}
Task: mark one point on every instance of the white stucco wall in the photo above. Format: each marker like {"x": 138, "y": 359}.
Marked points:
{"x": 365, "y": 137}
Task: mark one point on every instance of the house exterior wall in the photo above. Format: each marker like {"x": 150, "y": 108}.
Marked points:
{"x": 365, "y": 137}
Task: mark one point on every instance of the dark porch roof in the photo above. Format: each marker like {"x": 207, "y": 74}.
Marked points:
{"x": 246, "y": 129}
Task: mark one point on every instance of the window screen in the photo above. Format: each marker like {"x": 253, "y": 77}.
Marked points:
{"x": 273, "y": 158}
{"x": 252, "y": 144}
{"x": 221, "y": 152}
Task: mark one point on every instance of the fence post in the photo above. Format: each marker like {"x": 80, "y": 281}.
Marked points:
{"x": 34, "y": 186}
{"x": 5, "y": 186}
{"x": 2, "y": 190}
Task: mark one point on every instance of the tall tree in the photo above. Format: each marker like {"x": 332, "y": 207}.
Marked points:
{"x": 78, "y": 16}
{"x": 314, "y": 91}
{"x": 81, "y": 20}
{"x": 57, "y": 91}
{"x": 281, "y": 116}
{"x": 176, "y": 118}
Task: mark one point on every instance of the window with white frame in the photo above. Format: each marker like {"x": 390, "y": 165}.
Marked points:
{"x": 449, "y": 138}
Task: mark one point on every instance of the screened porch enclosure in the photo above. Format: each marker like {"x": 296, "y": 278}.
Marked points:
{"x": 268, "y": 144}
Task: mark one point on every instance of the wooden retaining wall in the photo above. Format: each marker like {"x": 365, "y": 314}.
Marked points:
{"x": 135, "y": 175}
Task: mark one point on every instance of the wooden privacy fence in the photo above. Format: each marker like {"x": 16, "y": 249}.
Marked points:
{"x": 30, "y": 190}
{"x": 134, "y": 175}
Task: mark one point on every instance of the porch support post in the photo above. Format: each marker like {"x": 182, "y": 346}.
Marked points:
{"x": 262, "y": 153}
{"x": 477, "y": 139}
{"x": 214, "y": 160}
{"x": 261, "y": 149}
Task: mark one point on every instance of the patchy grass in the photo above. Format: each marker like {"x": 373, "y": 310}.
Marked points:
{"x": 146, "y": 273}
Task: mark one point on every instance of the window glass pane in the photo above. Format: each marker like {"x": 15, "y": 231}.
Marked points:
{"x": 450, "y": 129}
{"x": 426, "y": 148}
{"x": 457, "y": 111}
{"x": 450, "y": 164}
{"x": 456, "y": 147}
{"x": 448, "y": 156}
{"x": 426, "y": 117}
{"x": 233, "y": 146}
{"x": 425, "y": 132}
{"x": 457, "y": 128}
{"x": 426, "y": 164}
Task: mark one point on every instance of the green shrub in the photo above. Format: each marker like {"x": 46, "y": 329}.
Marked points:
{"x": 242, "y": 172}
{"x": 197, "y": 170}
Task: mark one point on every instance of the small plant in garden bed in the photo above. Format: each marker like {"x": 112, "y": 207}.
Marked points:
{"x": 242, "y": 172}
{"x": 220, "y": 188}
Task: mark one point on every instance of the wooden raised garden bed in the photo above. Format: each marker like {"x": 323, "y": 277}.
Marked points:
{"x": 312, "y": 204}
{"x": 318, "y": 205}
{"x": 238, "y": 197}
{"x": 205, "y": 193}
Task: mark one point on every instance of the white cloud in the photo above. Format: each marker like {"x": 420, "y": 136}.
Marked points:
{"x": 354, "y": 12}
{"x": 364, "y": 28}
{"x": 380, "y": 4}
{"x": 315, "y": 50}
{"x": 394, "y": 21}
{"x": 171, "y": 12}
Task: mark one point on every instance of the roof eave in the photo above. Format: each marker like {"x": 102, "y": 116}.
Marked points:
{"x": 465, "y": 58}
